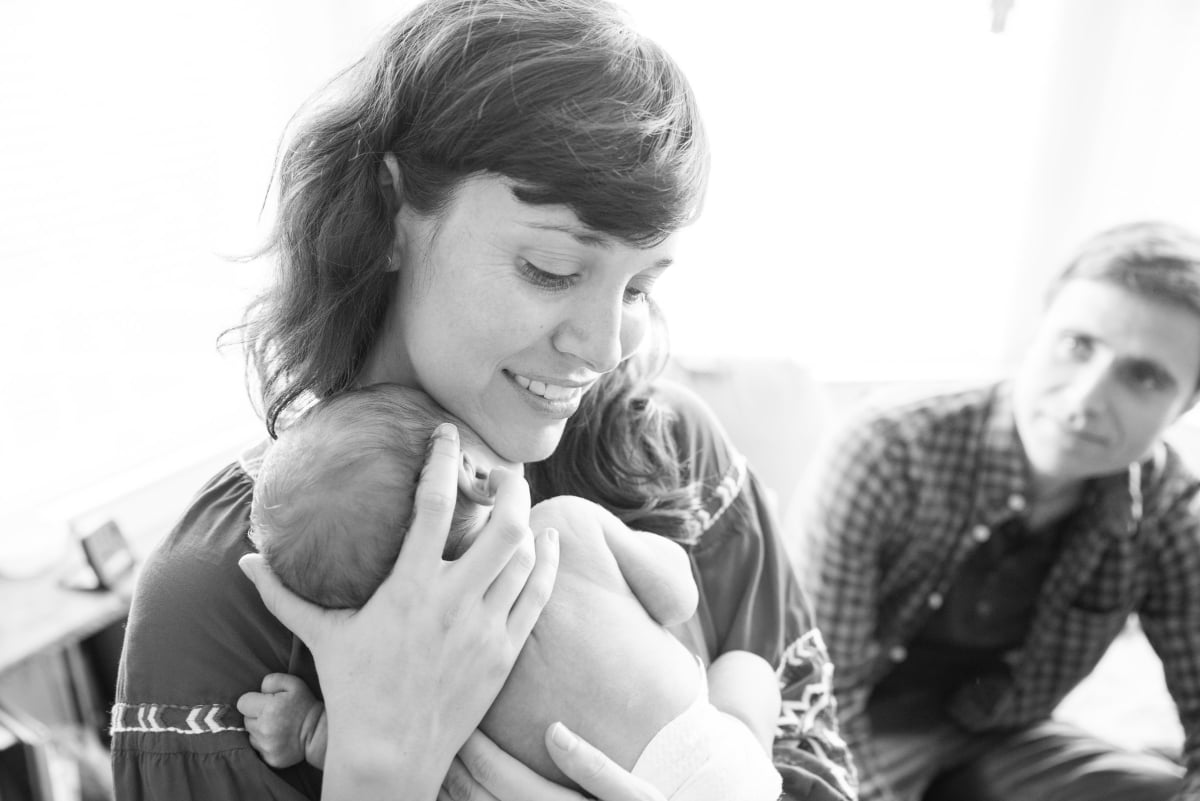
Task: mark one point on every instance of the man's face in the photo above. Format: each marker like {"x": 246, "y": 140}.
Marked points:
{"x": 1108, "y": 372}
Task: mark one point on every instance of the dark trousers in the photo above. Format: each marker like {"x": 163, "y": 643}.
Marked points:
{"x": 927, "y": 757}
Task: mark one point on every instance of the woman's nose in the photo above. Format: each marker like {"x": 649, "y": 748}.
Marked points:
{"x": 598, "y": 333}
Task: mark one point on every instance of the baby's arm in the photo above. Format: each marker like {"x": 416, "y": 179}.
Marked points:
{"x": 286, "y": 722}
{"x": 656, "y": 569}
{"x": 743, "y": 684}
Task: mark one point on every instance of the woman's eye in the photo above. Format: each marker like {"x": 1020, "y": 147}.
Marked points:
{"x": 541, "y": 278}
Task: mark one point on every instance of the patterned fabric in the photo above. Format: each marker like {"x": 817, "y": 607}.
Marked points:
{"x": 198, "y": 635}
{"x": 203, "y": 719}
{"x": 910, "y": 492}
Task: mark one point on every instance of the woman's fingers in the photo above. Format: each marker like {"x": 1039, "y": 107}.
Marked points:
{"x": 461, "y": 785}
{"x": 593, "y": 771}
{"x": 532, "y": 596}
{"x": 485, "y": 768}
{"x": 305, "y": 620}
{"x": 433, "y": 506}
{"x": 507, "y": 530}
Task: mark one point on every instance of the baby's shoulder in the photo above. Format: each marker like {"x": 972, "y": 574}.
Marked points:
{"x": 570, "y": 512}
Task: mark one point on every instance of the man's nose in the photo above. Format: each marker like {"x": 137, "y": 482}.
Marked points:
{"x": 1086, "y": 391}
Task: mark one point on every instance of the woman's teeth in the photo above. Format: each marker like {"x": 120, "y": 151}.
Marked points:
{"x": 547, "y": 391}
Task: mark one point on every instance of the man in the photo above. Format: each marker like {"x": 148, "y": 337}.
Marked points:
{"x": 974, "y": 554}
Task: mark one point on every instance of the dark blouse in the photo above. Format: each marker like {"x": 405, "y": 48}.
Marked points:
{"x": 198, "y": 637}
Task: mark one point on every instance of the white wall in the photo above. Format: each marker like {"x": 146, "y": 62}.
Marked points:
{"x": 890, "y": 179}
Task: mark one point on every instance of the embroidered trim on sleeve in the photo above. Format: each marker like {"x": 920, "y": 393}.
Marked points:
{"x": 203, "y": 719}
{"x": 722, "y": 496}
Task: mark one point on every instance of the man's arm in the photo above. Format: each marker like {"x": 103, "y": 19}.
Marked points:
{"x": 859, "y": 493}
{"x": 1170, "y": 617}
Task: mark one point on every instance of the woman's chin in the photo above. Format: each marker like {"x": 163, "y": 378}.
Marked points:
{"x": 536, "y": 446}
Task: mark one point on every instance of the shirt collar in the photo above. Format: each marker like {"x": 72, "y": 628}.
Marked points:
{"x": 1004, "y": 483}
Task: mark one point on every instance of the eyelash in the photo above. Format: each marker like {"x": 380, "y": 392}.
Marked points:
{"x": 543, "y": 279}
{"x": 555, "y": 282}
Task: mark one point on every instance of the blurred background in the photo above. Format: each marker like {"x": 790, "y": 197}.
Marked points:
{"x": 891, "y": 182}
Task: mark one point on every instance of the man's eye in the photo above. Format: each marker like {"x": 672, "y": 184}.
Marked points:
{"x": 1075, "y": 347}
{"x": 541, "y": 278}
{"x": 634, "y": 295}
{"x": 1147, "y": 379}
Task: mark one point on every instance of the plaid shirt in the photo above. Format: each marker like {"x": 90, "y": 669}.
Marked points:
{"x": 908, "y": 493}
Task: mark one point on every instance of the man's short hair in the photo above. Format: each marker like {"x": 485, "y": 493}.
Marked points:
{"x": 1156, "y": 260}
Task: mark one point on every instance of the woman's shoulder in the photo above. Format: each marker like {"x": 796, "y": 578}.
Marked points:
{"x": 700, "y": 438}
{"x": 715, "y": 468}
{"x": 197, "y": 631}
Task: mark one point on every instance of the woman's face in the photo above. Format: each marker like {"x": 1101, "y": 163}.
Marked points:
{"x": 505, "y": 313}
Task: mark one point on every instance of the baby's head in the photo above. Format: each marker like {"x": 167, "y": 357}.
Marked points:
{"x": 334, "y": 497}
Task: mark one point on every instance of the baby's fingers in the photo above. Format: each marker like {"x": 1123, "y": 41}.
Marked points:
{"x": 281, "y": 682}
{"x": 251, "y": 704}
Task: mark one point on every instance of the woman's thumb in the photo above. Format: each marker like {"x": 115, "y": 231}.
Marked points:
{"x": 291, "y": 610}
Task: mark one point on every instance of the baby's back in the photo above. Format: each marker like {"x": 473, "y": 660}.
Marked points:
{"x": 596, "y": 659}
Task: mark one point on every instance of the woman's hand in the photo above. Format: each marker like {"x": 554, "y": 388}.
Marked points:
{"x": 410, "y": 675}
{"x": 482, "y": 771}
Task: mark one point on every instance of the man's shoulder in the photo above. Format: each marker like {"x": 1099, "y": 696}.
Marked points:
{"x": 913, "y": 416}
{"x": 1176, "y": 479}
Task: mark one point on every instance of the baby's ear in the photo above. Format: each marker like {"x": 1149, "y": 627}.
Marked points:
{"x": 473, "y": 482}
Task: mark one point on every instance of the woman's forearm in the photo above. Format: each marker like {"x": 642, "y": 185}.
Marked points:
{"x": 384, "y": 769}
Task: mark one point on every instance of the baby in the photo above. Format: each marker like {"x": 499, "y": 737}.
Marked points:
{"x": 331, "y": 506}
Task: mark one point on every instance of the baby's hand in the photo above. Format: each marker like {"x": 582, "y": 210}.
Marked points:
{"x": 285, "y": 721}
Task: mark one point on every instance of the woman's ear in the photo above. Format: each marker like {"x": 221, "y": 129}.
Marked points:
{"x": 473, "y": 482}
{"x": 389, "y": 177}
{"x": 389, "y": 181}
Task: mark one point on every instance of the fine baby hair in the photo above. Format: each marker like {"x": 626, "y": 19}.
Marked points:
{"x": 334, "y": 497}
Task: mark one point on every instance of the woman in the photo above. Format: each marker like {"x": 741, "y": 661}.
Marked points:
{"x": 479, "y": 209}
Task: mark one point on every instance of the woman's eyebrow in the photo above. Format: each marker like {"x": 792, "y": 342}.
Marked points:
{"x": 580, "y": 235}
{"x": 590, "y": 238}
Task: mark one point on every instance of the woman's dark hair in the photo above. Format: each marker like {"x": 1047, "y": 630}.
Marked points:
{"x": 618, "y": 450}
{"x": 563, "y": 97}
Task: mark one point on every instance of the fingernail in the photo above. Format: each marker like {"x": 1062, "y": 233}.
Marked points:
{"x": 445, "y": 431}
{"x": 552, "y": 535}
{"x": 244, "y": 566}
{"x": 562, "y": 737}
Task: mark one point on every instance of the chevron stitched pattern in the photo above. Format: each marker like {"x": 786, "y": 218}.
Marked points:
{"x": 721, "y": 498}
{"x": 203, "y": 719}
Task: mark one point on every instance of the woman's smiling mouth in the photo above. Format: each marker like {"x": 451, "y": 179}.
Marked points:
{"x": 551, "y": 392}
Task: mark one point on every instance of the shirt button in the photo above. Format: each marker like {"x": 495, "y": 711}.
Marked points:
{"x": 898, "y": 653}
{"x": 981, "y": 533}
{"x": 935, "y": 600}
{"x": 1016, "y": 502}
